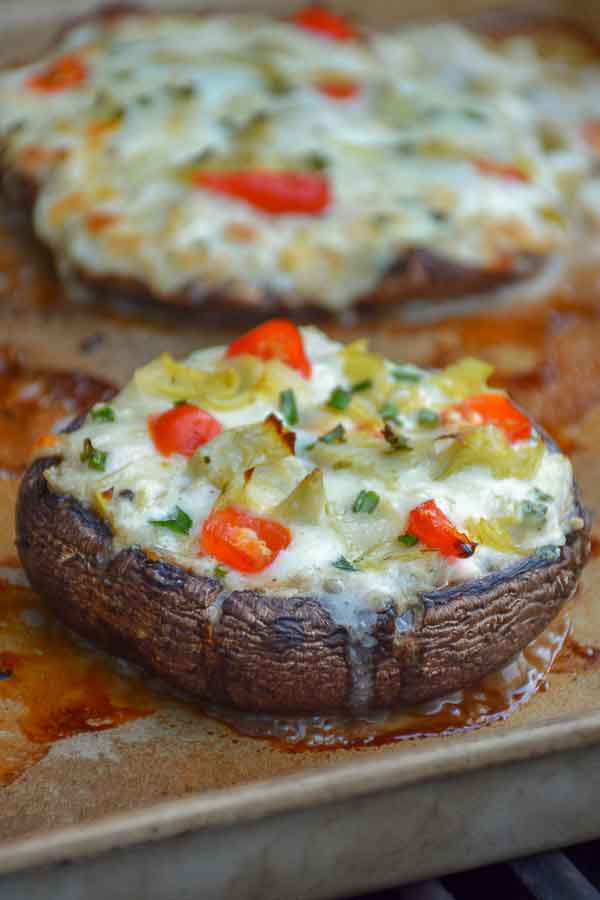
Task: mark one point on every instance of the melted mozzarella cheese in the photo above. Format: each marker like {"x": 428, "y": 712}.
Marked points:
{"x": 168, "y": 94}
{"x": 145, "y": 486}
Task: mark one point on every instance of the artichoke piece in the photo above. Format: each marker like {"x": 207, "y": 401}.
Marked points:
{"x": 306, "y": 503}
{"x": 362, "y": 533}
{"x": 489, "y": 447}
{"x": 263, "y": 488}
{"x": 361, "y": 365}
{"x": 495, "y": 533}
{"x": 225, "y": 388}
{"x": 463, "y": 379}
{"x": 380, "y": 556}
{"x": 370, "y": 456}
{"x": 236, "y": 450}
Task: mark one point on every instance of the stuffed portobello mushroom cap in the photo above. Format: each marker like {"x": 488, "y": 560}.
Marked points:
{"x": 250, "y": 643}
{"x": 252, "y": 190}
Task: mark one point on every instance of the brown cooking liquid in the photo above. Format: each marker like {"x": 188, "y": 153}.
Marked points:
{"x": 35, "y": 401}
{"x": 495, "y": 698}
{"x": 52, "y": 687}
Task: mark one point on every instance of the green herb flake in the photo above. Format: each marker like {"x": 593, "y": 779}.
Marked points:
{"x": 533, "y": 513}
{"x": 344, "y": 564}
{"x": 103, "y": 414}
{"x": 406, "y": 373}
{"x": 542, "y": 497}
{"x": 360, "y": 386}
{"x": 288, "y": 407}
{"x": 366, "y": 502}
{"x": 339, "y": 398}
{"x": 337, "y": 435}
{"x": 181, "y": 403}
{"x": 550, "y": 553}
{"x": 95, "y": 459}
{"x": 408, "y": 539}
{"x": 428, "y": 418}
{"x": 317, "y": 162}
{"x": 179, "y": 522}
{"x": 389, "y": 413}
{"x": 219, "y": 572}
{"x": 396, "y": 440}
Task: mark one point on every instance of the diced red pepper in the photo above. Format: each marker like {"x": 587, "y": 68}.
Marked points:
{"x": 182, "y": 429}
{"x": 435, "y": 530}
{"x": 339, "y": 90}
{"x": 276, "y": 193}
{"x": 491, "y": 409}
{"x": 64, "y": 74}
{"x": 242, "y": 540}
{"x": 591, "y": 133}
{"x": 501, "y": 170}
{"x": 275, "y": 339}
{"x": 325, "y": 23}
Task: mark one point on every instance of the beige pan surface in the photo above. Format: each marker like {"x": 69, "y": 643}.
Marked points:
{"x": 80, "y": 739}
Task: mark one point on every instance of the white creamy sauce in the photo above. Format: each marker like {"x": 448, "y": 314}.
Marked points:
{"x": 165, "y": 96}
{"x": 156, "y": 485}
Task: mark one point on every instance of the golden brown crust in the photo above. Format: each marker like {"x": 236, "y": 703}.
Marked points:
{"x": 261, "y": 652}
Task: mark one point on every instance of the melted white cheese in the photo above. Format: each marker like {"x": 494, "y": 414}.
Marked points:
{"x": 401, "y": 156}
{"x": 160, "y": 484}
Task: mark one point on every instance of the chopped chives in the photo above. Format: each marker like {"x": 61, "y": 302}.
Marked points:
{"x": 408, "y": 539}
{"x": 366, "y": 502}
{"x": 406, "y": 373}
{"x": 95, "y": 459}
{"x": 428, "y": 418}
{"x": 288, "y": 407}
{"x": 339, "y": 398}
{"x": 179, "y": 522}
{"x": 344, "y": 564}
{"x": 103, "y": 414}
{"x": 337, "y": 435}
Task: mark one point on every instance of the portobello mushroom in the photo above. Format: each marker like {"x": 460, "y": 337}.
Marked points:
{"x": 335, "y": 533}
{"x": 368, "y": 175}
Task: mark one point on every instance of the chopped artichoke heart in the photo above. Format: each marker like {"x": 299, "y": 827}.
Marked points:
{"x": 495, "y": 533}
{"x": 236, "y": 450}
{"x": 382, "y": 555}
{"x": 306, "y": 503}
{"x": 366, "y": 453}
{"x": 263, "y": 487}
{"x": 489, "y": 447}
{"x": 463, "y": 379}
{"x": 362, "y": 533}
{"x": 361, "y": 365}
{"x": 226, "y": 388}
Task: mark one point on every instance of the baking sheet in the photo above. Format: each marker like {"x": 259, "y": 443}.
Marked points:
{"x": 204, "y": 774}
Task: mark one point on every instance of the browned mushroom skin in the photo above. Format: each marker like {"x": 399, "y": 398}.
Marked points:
{"x": 261, "y": 652}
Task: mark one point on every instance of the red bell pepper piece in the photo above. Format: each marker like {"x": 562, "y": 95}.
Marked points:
{"x": 429, "y": 524}
{"x": 275, "y": 339}
{"x": 491, "y": 409}
{"x": 182, "y": 429}
{"x": 325, "y": 23}
{"x": 242, "y": 540}
{"x": 273, "y": 192}
{"x": 64, "y": 74}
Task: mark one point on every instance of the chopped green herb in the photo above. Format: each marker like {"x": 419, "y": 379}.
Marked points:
{"x": 219, "y": 572}
{"x": 533, "y": 514}
{"x": 337, "y": 435}
{"x": 428, "y": 418}
{"x": 389, "y": 413}
{"x": 396, "y": 440}
{"x": 339, "y": 398}
{"x": 406, "y": 373}
{"x": 365, "y": 385}
{"x": 366, "y": 502}
{"x": 408, "y": 539}
{"x": 344, "y": 564}
{"x": 144, "y": 100}
{"x": 288, "y": 407}
{"x": 316, "y": 161}
{"x": 542, "y": 496}
{"x": 96, "y": 459}
{"x": 182, "y": 91}
{"x": 476, "y": 115}
{"x": 439, "y": 215}
{"x": 103, "y": 414}
{"x": 179, "y": 522}
{"x": 549, "y": 553}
